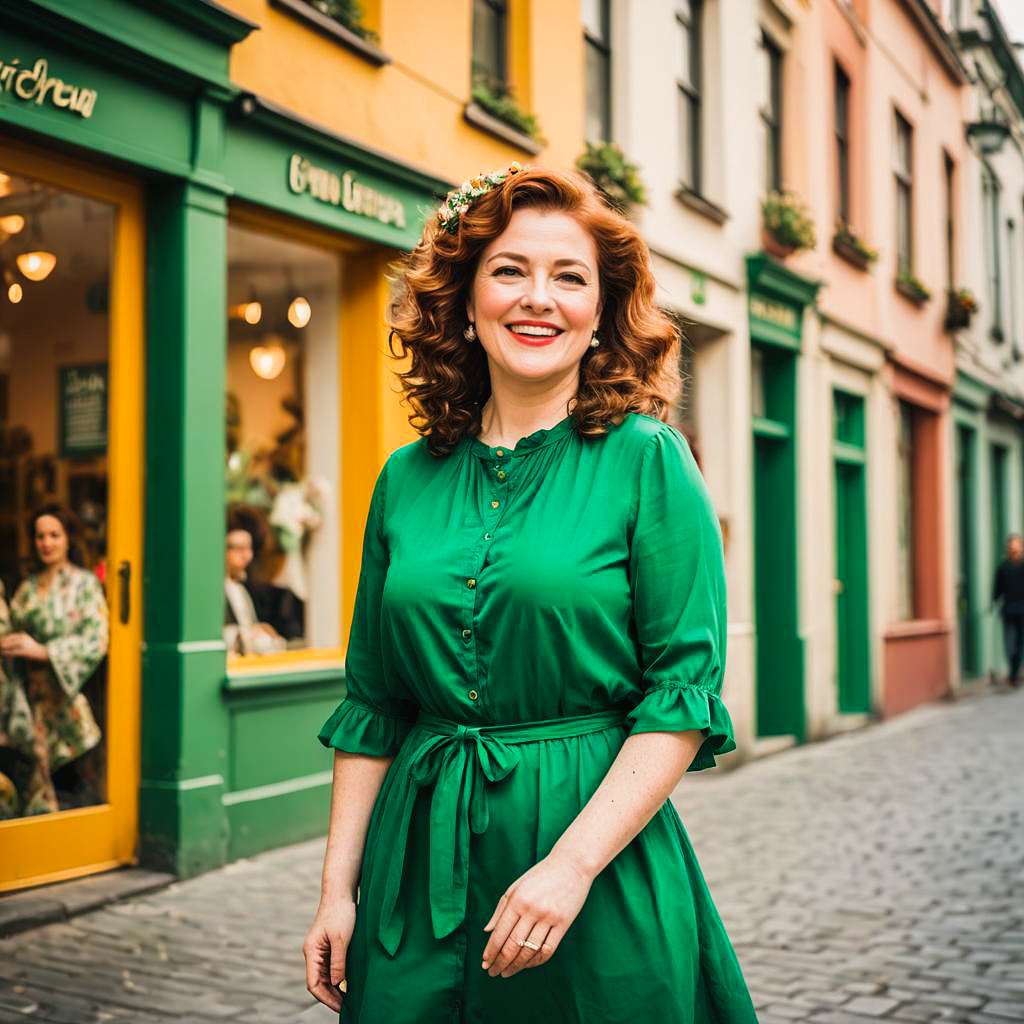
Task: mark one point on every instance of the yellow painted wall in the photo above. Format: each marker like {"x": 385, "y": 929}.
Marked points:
{"x": 412, "y": 108}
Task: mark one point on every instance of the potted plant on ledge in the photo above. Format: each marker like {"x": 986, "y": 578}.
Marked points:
{"x": 616, "y": 178}
{"x": 786, "y": 225}
{"x": 497, "y": 99}
{"x": 961, "y": 305}
{"x": 911, "y": 288}
{"x": 853, "y": 249}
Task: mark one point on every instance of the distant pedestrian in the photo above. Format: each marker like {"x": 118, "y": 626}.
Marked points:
{"x": 1008, "y": 593}
{"x": 537, "y": 649}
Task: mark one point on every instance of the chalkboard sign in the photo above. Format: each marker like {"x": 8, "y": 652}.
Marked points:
{"x": 82, "y": 403}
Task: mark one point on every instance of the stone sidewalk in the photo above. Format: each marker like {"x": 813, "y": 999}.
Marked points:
{"x": 877, "y": 876}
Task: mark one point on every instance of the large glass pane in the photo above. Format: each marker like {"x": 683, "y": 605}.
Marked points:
{"x": 55, "y": 259}
{"x": 282, "y": 535}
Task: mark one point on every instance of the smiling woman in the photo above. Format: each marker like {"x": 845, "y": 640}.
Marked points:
{"x": 537, "y": 649}
{"x": 551, "y": 234}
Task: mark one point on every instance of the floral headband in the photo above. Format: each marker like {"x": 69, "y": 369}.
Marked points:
{"x": 459, "y": 200}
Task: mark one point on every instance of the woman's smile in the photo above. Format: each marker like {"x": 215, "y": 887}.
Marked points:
{"x": 533, "y": 332}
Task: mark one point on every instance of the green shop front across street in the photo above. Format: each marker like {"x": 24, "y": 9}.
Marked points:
{"x": 192, "y": 359}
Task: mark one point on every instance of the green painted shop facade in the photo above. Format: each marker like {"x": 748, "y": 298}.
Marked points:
{"x": 227, "y": 762}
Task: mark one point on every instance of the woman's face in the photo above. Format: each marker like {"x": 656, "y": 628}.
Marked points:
{"x": 51, "y": 541}
{"x": 536, "y": 299}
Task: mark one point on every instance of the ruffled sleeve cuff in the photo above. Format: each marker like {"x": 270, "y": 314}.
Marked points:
{"x": 679, "y": 707}
{"x": 358, "y": 729}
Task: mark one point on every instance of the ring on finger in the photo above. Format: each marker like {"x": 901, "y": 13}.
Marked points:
{"x": 531, "y": 945}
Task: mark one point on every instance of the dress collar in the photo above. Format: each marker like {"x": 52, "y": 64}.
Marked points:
{"x": 538, "y": 439}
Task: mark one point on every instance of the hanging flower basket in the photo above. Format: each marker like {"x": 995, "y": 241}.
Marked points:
{"x": 786, "y": 225}
{"x": 613, "y": 174}
{"x": 961, "y": 305}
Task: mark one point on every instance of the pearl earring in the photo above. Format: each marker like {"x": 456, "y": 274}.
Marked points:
{"x": 595, "y": 341}
{"x": 469, "y": 333}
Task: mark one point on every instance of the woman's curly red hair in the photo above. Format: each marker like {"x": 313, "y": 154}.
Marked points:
{"x": 635, "y": 369}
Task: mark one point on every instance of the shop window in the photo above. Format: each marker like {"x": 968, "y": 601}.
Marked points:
{"x": 282, "y": 530}
{"x": 55, "y": 261}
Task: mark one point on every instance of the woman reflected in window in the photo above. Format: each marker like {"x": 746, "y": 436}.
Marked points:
{"x": 59, "y": 633}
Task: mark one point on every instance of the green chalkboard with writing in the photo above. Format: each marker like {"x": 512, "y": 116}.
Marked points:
{"x": 82, "y": 405}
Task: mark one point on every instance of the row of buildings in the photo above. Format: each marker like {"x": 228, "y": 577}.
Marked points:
{"x": 199, "y": 204}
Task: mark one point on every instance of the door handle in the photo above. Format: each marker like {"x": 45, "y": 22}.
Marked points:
{"x": 124, "y": 575}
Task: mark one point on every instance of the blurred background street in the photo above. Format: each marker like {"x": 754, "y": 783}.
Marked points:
{"x": 878, "y": 875}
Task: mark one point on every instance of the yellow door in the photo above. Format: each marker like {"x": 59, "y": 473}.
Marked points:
{"x": 71, "y": 423}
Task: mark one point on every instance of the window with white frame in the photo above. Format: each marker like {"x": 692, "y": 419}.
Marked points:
{"x": 991, "y": 196}
{"x": 771, "y": 113}
{"x": 903, "y": 172}
{"x": 690, "y": 16}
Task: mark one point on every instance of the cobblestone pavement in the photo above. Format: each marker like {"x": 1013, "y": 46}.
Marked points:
{"x": 879, "y": 875}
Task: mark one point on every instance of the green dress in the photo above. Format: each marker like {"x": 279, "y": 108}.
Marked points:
{"x": 519, "y": 614}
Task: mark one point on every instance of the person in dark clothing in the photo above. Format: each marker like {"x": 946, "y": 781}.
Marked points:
{"x": 1008, "y": 593}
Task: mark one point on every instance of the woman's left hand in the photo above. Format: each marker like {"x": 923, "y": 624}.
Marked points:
{"x": 537, "y": 908}
{"x": 21, "y": 645}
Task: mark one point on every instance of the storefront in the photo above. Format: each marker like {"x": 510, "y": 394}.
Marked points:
{"x": 778, "y": 299}
{"x": 917, "y": 644}
{"x": 192, "y": 363}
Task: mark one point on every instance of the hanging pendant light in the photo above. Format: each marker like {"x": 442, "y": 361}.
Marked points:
{"x": 299, "y": 312}
{"x": 267, "y": 361}
{"x": 37, "y": 265}
{"x": 12, "y": 223}
{"x": 15, "y": 293}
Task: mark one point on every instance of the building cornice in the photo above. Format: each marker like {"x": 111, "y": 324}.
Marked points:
{"x": 997, "y": 42}
{"x": 935, "y": 35}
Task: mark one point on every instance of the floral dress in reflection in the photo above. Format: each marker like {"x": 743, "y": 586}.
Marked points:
{"x": 45, "y": 719}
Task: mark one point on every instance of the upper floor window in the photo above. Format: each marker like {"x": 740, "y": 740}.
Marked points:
{"x": 771, "y": 114}
{"x": 949, "y": 199}
{"x": 903, "y": 170}
{"x": 490, "y": 29}
{"x": 842, "y": 127}
{"x": 690, "y": 18}
{"x": 597, "y": 123}
{"x": 993, "y": 250}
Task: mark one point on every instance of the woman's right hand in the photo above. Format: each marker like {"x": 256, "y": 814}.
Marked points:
{"x": 325, "y": 948}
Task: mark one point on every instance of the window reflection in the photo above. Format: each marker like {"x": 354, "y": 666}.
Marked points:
{"x": 55, "y": 257}
{"x": 282, "y": 543}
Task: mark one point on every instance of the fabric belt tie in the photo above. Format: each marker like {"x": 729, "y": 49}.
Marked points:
{"x": 458, "y": 761}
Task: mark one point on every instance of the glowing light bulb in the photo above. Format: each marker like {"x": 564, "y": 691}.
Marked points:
{"x": 12, "y": 223}
{"x": 252, "y": 313}
{"x": 299, "y": 312}
{"x": 15, "y": 293}
{"x": 267, "y": 361}
{"x": 36, "y": 266}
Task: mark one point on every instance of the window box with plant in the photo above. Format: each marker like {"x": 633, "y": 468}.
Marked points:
{"x": 617, "y": 179}
{"x": 786, "y": 225}
{"x": 340, "y": 20}
{"x": 961, "y": 305}
{"x": 497, "y": 102}
{"x": 911, "y": 288}
{"x": 850, "y": 247}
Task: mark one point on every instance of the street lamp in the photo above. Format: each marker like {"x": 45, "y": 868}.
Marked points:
{"x": 988, "y": 134}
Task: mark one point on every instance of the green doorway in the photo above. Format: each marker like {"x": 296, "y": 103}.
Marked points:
{"x": 968, "y": 612}
{"x": 853, "y": 636}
